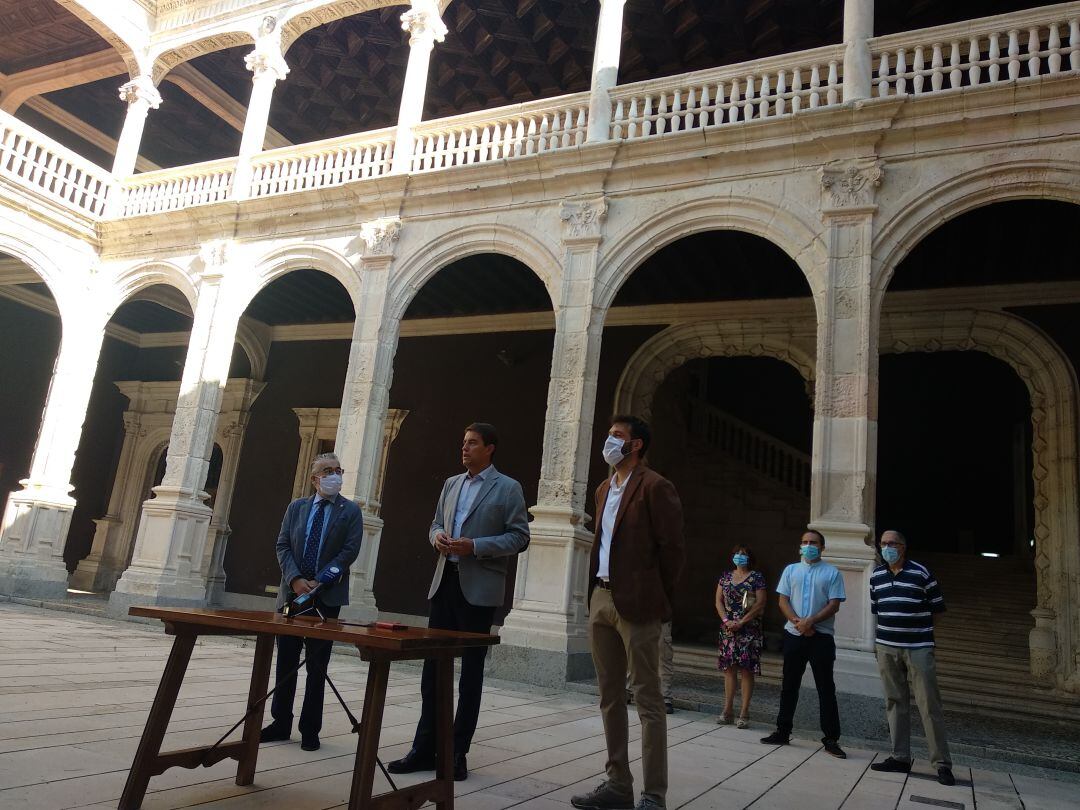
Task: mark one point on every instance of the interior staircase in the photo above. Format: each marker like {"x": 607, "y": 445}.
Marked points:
{"x": 743, "y": 484}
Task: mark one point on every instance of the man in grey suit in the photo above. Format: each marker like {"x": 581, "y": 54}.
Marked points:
{"x": 480, "y": 523}
{"x": 319, "y": 539}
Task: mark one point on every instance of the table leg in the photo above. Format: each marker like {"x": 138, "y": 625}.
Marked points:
{"x": 367, "y": 748}
{"x": 157, "y": 722}
{"x": 260, "y": 680}
{"x": 444, "y": 728}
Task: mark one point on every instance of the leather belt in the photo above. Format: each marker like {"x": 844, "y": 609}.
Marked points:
{"x": 603, "y": 583}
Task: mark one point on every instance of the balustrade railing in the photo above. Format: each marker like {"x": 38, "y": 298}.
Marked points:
{"x": 767, "y": 88}
{"x": 170, "y": 189}
{"x": 35, "y": 161}
{"x": 1040, "y": 42}
{"x": 755, "y": 448}
{"x": 507, "y": 132}
{"x": 322, "y": 164}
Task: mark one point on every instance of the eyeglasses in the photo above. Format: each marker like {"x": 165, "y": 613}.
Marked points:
{"x": 329, "y": 471}
{"x": 891, "y": 544}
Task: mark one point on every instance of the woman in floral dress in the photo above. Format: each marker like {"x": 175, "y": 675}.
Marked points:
{"x": 740, "y": 601}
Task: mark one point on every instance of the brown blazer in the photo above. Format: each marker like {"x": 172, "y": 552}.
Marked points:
{"x": 647, "y": 551}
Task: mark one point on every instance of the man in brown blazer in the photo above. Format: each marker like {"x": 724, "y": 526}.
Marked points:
{"x": 636, "y": 558}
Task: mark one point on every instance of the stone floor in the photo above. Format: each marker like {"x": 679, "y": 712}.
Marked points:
{"x": 74, "y": 692}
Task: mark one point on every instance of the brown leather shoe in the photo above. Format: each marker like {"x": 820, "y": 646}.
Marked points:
{"x": 604, "y": 797}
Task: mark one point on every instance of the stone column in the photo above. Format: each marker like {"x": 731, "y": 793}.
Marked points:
{"x": 425, "y": 28}
{"x": 605, "y": 72}
{"x": 268, "y": 67}
{"x": 231, "y": 438}
{"x": 364, "y": 403}
{"x": 37, "y": 517}
{"x": 167, "y": 564}
{"x": 99, "y": 570}
{"x": 141, "y": 96}
{"x": 845, "y": 409}
{"x": 858, "y": 66}
{"x": 547, "y": 628}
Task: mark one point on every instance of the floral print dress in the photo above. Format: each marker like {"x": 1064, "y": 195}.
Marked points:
{"x": 741, "y": 648}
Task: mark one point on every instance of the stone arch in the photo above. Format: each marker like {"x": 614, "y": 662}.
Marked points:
{"x": 311, "y": 15}
{"x": 439, "y": 253}
{"x": 49, "y": 273}
{"x": 924, "y": 210}
{"x": 671, "y": 348}
{"x": 303, "y": 256}
{"x": 1052, "y": 386}
{"x": 147, "y": 274}
{"x": 792, "y": 233}
{"x": 170, "y": 58}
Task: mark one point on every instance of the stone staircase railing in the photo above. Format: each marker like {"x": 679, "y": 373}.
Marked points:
{"x": 1009, "y": 47}
{"x": 36, "y": 162}
{"x": 763, "y": 453}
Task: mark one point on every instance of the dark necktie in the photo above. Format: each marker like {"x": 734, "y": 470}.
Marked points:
{"x": 311, "y": 545}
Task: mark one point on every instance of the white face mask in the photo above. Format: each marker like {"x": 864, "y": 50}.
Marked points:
{"x": 614, "y": 450}
{"x": 330, "y": 485}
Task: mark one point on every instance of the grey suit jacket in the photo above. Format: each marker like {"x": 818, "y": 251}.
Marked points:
{"x": 341, "y": 545}
{"x": 498, "y": 525}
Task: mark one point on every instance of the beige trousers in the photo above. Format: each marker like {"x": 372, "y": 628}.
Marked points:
{"x": 896, "y": 665}
{"x": 667, "y": 664}
{"x": 619, "y": 646}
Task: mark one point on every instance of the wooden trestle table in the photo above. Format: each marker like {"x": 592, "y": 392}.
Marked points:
{"x": 377, "y": 646}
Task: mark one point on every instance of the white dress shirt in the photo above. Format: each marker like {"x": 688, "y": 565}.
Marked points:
{"x": 607, "y": 523}
{"x": 469, "y": 487}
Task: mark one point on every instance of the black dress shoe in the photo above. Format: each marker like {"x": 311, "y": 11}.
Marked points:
{"x": 412, "y": 762}
{"x": 776, "y": 738}
{"x": 461, "y": 768}
{"x": 275, "y": 732}
{"x": 309, "y": 742}
{"x": 945, "y": 776}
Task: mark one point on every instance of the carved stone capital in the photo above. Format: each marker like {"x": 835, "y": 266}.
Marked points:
{"x": 215, "y": 255}
{"x": 583, "y": 220}
{"x": 380, "y": 236}
{"x": 425, "y": 27}
{"x": 850, "y": 186}
{"x": 141, "y": 89}
{"x": 266, "y": 61}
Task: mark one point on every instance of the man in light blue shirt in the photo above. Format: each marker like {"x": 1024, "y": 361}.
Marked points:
{"x": 810, "y": 595}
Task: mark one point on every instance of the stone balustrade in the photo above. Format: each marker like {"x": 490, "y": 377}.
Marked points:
{"x": 1014, "y": 47}
{"x": 765, "y": 88}
{"x": 35, "y": 161}
{"x": 506, "y": 132}
{"x": 323, "y": 163}
{"x": 1009, "y": 47}
{"x": 171, "y": 189}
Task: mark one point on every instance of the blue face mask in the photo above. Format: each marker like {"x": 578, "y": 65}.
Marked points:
{"x": 810, "y": 552}
{"x": 740, "y": 559}
{"x": 890, "y": 554}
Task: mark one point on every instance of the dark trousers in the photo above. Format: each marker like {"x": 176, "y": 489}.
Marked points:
{"x": 818, "y": 650}
{"x": 451, "y": 611}
{"x": 318, "y": 658}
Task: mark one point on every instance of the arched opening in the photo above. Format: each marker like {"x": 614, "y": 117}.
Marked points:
{"x": 724, "y": 383}
{"x": 307, "y": 316}
{"x": 476, "y": 345}
{"x": 30, "y": 333}
{"x": 971, "y": 434}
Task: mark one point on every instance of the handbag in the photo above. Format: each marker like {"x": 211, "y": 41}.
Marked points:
{"x": 748, "y": 600}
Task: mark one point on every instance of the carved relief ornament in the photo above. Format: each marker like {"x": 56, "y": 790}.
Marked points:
{"x": 267, "y": 61}
{"x": 424, "y": 26}
{"x": 851, "y": 186}
{"x": 583, "y": 220}
{"x": 380, "y": 236}
{"x": 141, "y": 88}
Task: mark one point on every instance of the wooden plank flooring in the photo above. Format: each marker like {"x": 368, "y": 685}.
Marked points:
{"x": 75, "y": 691}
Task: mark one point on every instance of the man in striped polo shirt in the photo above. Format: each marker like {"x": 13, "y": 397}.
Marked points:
{"x": 905, "y": 596}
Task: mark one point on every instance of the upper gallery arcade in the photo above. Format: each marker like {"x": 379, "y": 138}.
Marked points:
{"x": 236, "y": 233}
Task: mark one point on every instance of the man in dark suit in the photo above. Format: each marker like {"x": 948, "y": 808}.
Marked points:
{"x": 636, "y": 558}
{"x": 480, "y": 523}
{"x": 319, "y": 539}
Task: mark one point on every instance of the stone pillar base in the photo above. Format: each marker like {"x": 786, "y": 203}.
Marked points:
{"x": 362, "y": 605}
{"x": 539, "y": 667}
{"x": 35, "y": 528}
{"x": 847, "y": 548}
{"x": 168, "y": 552}
{"x": 855, "y": 673}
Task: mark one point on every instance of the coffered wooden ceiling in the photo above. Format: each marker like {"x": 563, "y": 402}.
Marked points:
{"x": 346, "y": 76}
